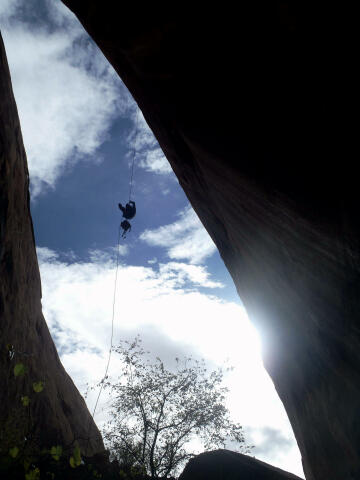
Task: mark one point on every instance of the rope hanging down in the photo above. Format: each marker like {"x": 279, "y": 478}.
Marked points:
{"x": 112, "y": 327}
{"x": 129, "y": 210}
{"x": 134, "y": 153}
{"x": 111, "y": 337}
{"x": 127, "y": 213}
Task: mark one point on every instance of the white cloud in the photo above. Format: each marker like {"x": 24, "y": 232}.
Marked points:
{"x": 109, "y": 255}
{"x": 275, "y": 446}
{"x": 185, "y": 239}
{"x": 88, "y": 290}
{"x": 155, "y": 161}
{"x": 45, "y": 254}
{"x": 67, "y": 94}
{"x": 173, "y": 320}
{"x": 269, "y": 440}
{"x": 7, "y": 8}
{"x": 61, "y": 15}
{"x": 152, "y": 261}
{"x": 142, "y": 134}
{"x": 149, "y": 155}
{"x": 179, "y": 273}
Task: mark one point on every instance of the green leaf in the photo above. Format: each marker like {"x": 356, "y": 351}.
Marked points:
{"x": 38, "y": 387}
{"x": 19, "y": 370}
{"x": 56, "y": 452}
{"x": 77, "y": 454}
{"x": 13, "y": 452}
{"x": 33, "y": 474}
{"x": 75, "y": 460}
{"x": 25, "y": 400}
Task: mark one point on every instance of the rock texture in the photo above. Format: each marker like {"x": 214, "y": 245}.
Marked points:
{"x": 252, "y": 108}
{"x": 58, "y": 414}
{"x": 227, "y": 465}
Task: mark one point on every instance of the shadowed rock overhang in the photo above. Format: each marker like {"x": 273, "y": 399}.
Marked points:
{"x": 252, "y": 108}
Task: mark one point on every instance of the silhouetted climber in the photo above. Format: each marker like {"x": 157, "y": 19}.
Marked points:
{"x": 125, "y": 225}
{"x": 129, "y": 210}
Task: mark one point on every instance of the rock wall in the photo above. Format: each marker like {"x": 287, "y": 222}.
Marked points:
{"x": 57, "y": 415}
{"x": 252, "y": 108}
{"x": 224, "y": 464}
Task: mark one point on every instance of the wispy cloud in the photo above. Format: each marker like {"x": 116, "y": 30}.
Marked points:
{"x": 66, "y": 92}
{"x": 88, "y": 289}
{"x": 155, "y": 161}
{"x": 270, "y": 441}
{"x": 45, "y": 255}
{"x": 77, "y": 302}
{"x": 185, "y": 239}
{"x": 148, "y": 152}
{"x": 180, "y": 273}
{"x": 161, "y": 302}
{"x": 109, "y": 255}
{"x": 275, "y": 446}
{"x": 7, "y": 8}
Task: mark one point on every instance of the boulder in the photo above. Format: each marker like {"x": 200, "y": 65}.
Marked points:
{"x": 228, "y": 465}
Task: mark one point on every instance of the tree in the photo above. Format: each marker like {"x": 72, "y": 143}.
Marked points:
{"x": 157, "y": 413}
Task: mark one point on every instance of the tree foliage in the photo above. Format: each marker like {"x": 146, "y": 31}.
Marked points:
{"x": 157, "y": 413}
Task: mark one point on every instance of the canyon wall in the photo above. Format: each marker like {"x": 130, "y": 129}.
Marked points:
{"x": 57, "y": 415}
{"x": 252, "y": 107}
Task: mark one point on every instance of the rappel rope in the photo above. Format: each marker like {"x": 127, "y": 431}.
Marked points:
{"x": 134, "y": 153}
{"x": 116, "y": 276}
{"x": 112, "y": 326}
{"x": 111, "y": 338}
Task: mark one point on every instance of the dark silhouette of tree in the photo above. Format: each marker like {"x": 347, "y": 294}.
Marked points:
{"x": 157, "y": 413}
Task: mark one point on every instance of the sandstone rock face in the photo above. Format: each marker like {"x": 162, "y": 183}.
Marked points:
{"x": 57, "y": 415}
{"x": 227, "y": 465}
{"x": 251, "y": 109}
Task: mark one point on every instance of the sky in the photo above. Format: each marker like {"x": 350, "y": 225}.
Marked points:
{"x": 81, "y": 127}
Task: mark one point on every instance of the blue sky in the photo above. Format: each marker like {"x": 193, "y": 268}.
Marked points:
{"x": 81, "y": 213}
{"x": 79, "y": 126}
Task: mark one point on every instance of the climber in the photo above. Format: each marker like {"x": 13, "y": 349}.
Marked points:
{"x": 125, "y": 225}
{"x": 129, "y": 210}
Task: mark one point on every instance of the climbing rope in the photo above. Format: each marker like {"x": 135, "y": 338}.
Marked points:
{"x": 112, "y": 326}
{"x": 134, "y": 152}
{"x": 116, "y": 276}
{"x": 111, "y": 337}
